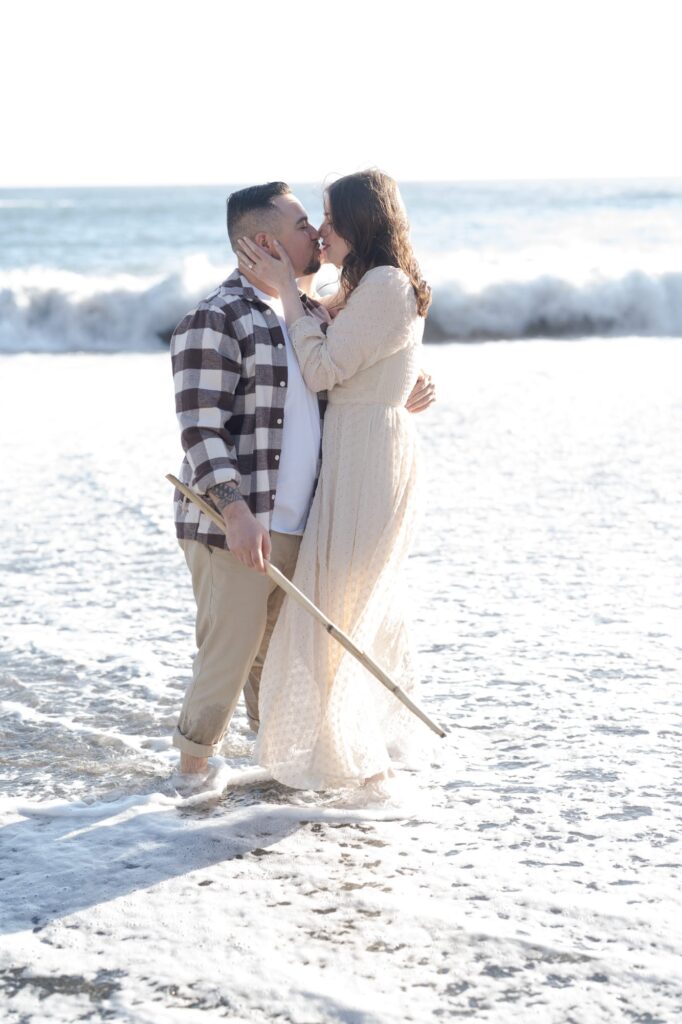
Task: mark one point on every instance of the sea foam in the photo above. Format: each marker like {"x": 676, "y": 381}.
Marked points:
{"x": 636, "y": 303}
{"x": 46, "y": 310}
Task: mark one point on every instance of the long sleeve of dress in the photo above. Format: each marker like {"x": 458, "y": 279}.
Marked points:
{"x": 376, "y": 322}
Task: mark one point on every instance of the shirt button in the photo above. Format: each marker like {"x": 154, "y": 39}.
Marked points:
{"x": 280, "y": 345}
{"x": 282, "y": 383}
{"x": 276, "y": 458}
{"x": 272, "y": 496}
{"x": 279, "y": 422}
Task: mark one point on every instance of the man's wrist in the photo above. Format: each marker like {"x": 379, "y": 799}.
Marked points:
{"x": 225, "y": 495}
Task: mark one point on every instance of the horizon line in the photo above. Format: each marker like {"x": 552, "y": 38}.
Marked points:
{"x": 402, "y": 181}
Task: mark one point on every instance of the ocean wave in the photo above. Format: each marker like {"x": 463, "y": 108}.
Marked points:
{"x": 636, "y": 303}
{"x": 44, "y": 310}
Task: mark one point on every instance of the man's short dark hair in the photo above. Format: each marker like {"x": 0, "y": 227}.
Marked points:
{"x": 254, "y": 199}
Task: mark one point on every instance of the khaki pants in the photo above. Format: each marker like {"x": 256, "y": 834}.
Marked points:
{"x": 236, "y": 612}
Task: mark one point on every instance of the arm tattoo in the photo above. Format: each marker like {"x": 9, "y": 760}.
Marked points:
{"x": 224, "y": 494}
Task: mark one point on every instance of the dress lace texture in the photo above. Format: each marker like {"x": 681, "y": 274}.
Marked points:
{"x": 325, "y": 721}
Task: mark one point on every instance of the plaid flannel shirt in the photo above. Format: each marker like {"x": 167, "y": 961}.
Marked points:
{"x": 230, "y": 372}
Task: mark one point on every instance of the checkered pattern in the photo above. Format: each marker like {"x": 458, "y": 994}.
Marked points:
{"x": 230, "y": 372}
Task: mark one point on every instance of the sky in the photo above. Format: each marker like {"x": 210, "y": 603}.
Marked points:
{"x": 214, "y": 91}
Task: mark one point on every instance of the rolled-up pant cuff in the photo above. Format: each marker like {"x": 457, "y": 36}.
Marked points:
{"x": 190, "y": 747}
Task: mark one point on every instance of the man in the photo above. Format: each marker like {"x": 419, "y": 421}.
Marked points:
{"x": 251, "y": 432}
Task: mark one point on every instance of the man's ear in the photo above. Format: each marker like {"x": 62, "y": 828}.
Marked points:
{"x": 263, "y": 239}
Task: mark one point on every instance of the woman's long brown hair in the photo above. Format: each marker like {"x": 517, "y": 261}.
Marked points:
{"x": 368, "y": 213}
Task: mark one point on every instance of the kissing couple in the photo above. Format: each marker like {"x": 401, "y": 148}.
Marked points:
{"x": 297, "y": 422}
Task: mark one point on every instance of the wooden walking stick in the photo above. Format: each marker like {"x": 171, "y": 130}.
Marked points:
{"x": 333, "y": 630}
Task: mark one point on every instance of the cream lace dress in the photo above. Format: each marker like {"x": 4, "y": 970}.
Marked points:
{"x": 325, "y": 722}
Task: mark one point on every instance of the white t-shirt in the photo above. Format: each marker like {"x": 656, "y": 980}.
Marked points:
{"x": 300, "y": 440}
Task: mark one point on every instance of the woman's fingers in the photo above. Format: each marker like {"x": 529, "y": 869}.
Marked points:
{"x": 255, "y": 257}
{"x": 246, "y": 243}
{"x": 252, "y": 248}
{"x": 283, "y": 254}
{"x": 248, "y": 251}
{"x": 275, "y": 267}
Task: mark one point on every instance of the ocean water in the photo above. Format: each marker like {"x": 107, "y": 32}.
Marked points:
{"x": 115, "y": 269}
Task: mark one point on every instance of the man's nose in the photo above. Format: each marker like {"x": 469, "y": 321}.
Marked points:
{"x": 314, "y": 233}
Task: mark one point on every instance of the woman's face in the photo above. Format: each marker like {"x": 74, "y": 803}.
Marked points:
{"x": 334, "y": 248}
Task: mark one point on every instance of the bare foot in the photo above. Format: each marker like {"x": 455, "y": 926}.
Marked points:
{"x": 191, "y": 765}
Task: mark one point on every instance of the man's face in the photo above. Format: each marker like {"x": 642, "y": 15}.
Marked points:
{"x": 297, "y": 235}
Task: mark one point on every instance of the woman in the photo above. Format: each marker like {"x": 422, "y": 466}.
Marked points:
{"x": 324, "y": 721}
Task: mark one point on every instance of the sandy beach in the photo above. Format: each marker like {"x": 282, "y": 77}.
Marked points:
{"x": 529, "y": 873}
